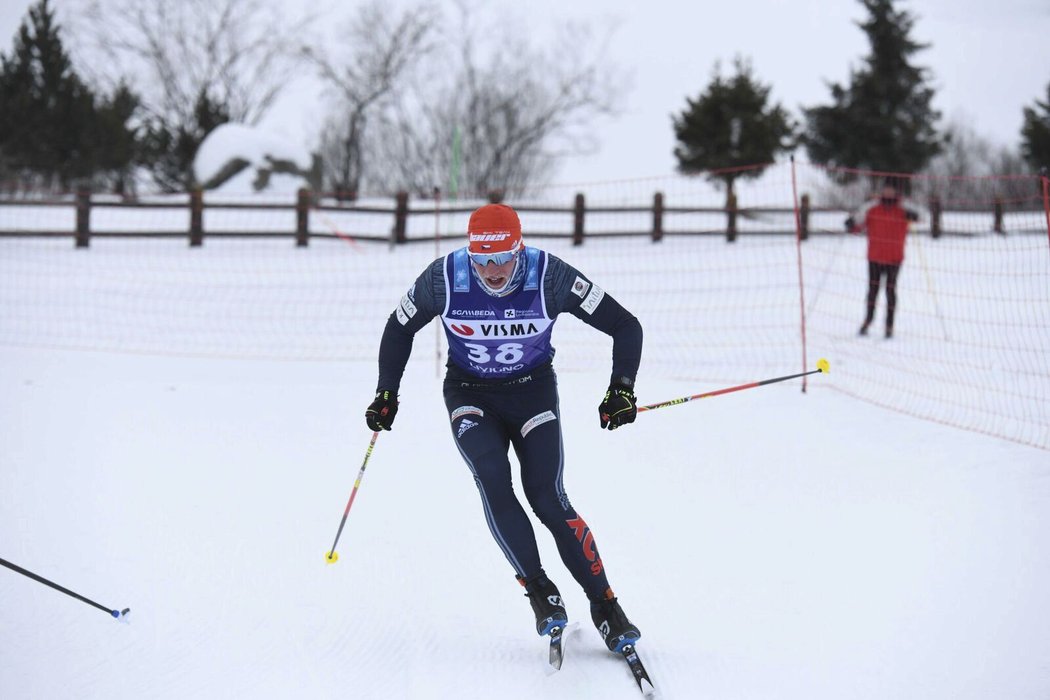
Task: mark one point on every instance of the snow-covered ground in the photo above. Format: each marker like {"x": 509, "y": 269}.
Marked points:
{"x": 769, "y": 543}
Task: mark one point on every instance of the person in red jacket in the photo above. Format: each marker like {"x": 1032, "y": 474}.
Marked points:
{"x": 887, "y": 226}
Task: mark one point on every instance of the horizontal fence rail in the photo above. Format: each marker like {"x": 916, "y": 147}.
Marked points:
{"x": 309, "y": 216}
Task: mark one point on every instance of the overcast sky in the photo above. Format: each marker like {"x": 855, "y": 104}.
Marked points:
{"x": 987, "y": 61}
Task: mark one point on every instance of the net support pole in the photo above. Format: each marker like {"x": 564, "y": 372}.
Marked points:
{"x": 1046, "y": 200}
{"x": 801, "y": 284}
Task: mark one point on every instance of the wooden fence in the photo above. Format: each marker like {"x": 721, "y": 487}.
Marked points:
{"x": 400, "y": 211}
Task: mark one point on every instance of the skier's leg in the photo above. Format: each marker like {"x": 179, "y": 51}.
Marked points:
{"x": 891, "y": 296}
{"x": 539, "y": 448}
{"x": 483, "y": 442}
{"x": 540, "y": 452}
{"x": 873, "y": 294}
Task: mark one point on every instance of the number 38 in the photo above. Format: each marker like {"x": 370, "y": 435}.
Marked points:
{"x": 506, "y": 354}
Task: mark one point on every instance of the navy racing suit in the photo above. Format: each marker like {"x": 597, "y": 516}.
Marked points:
{"x": 501, "y": 390}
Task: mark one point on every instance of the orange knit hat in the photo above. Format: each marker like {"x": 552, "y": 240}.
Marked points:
{"x": 494, "y": 228}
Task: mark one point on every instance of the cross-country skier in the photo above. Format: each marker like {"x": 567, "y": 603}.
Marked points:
{"x": 498, "y": 300}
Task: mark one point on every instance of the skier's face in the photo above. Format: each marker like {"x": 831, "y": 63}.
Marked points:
{"x": 493, "y": 275}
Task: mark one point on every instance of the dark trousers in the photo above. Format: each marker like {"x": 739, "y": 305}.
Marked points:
{"x": 876, "y": 271}
{"x": 486, "y": 421}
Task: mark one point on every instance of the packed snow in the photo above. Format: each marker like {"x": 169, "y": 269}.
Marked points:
{"x": 770, "y": 543}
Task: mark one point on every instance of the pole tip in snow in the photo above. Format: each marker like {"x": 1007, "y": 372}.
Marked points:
{"x": 331, "y": 557}
{"x": 823, "y": 366}
{"x": 121, "y": 615}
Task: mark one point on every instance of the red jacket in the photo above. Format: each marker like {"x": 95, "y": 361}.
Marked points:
{"x": 887, "y": 227}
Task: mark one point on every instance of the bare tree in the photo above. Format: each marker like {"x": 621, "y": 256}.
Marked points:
{"x": 383, "y": 50}
{"x": 237, "y": 53}
{"x": 488, "y": 113}
{"x": 502, "y": 113}
{"x": 965, "y": 172}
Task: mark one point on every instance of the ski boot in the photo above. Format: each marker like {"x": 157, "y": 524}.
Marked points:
{"x": 546, "y": 603}
{"x": 612, "y": 623}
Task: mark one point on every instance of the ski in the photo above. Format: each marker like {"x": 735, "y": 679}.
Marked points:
{"x": 641, "y": 676}
{"x": 558, "y": 636}
{"x": 557, "y": 651}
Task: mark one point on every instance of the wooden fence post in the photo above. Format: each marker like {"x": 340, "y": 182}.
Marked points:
{"x": 302, "y": 218}
{"x": 658, "y": 217}
{"x": 577, "y": 220}
{"x": 398, "y": 234}
{"x": 935, "y": 216}
{"x": 730, "y": 217}
{"x": 997, "y": 211}
{"x": 196, "y": 218}
{"x": 803, "y": 217}
{"x": 82, "y": 237}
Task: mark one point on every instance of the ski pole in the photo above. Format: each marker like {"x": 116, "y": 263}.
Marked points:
{"x": 330, "y": 556}
{"x": 120, "y": 615}
{"x": 822, "y": 366}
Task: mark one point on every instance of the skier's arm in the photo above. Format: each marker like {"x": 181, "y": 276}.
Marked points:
{"x": 611, "y": 318}
{"x": 568, "y": 290}
{"x": 423, "y": 301}
{"x": 857, "y": 221}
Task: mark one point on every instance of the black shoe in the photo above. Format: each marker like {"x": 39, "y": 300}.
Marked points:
{"x": 613, "y": 625}
{"x": 889, "y": 331}
{"x": 863, "y": 330}
{"x": 546, "y": 603}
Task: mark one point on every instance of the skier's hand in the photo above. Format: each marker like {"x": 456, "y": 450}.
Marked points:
{"x": 619, "y": 407}
{"x": 851, "y": 225}
{"x": 380, "y": 413}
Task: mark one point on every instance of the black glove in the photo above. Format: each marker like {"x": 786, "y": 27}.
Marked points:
{"x": 380, "y": 413}
{"x": 850, "y": 224}
{"x": 618, "y": 407}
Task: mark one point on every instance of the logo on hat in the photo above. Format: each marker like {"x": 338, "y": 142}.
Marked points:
{"x": 479, "y": 237}
{"x": 494, "y": 228}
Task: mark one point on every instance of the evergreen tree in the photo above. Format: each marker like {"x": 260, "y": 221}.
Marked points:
{"x": 54, "y": 131}
{"x": 40, "y": 92}
{"x": 731, "y": 124}
{"x": 118, "y": 147}
{"x": 1035, "y": 133}
{"x": 170, "y": 150}
{"x": 883, "y": 120}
